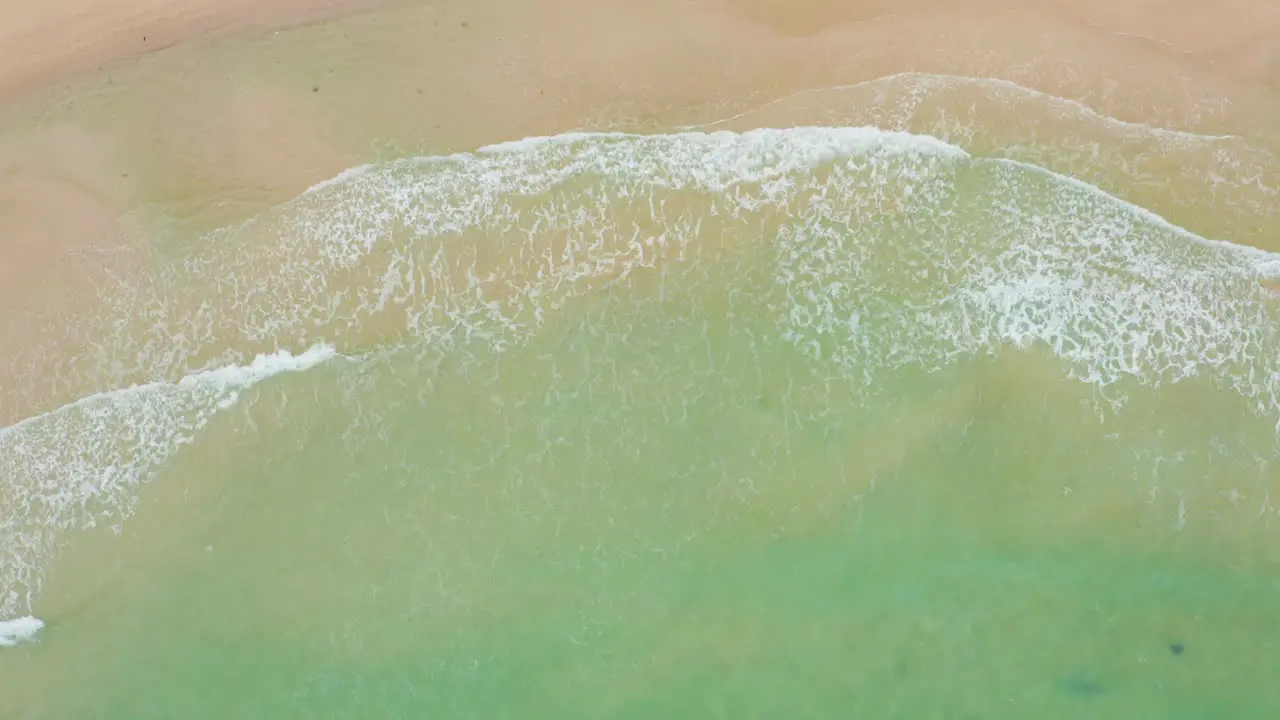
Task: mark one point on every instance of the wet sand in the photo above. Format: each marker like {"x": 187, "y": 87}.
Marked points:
{"x": 42, "y": 43}
{"x": 212, "y": 106}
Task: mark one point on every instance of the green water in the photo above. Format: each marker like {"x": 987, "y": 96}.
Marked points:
{"x": 649, "y": 512}
{"x": 807, "y": 423}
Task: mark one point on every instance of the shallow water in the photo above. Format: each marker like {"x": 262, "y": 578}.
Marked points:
{"x": 929, "y": 419}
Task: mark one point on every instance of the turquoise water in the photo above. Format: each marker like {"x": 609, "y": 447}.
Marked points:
{"x": 811, "y": 422}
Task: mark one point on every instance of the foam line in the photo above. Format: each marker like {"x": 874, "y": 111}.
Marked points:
{"x": 262, "y": 367}
{"x": 990, "y": 82}
{"x": 1266, "y": 263}
{"x": 81, "y": 464}
{"x": 847, "y": 140}
{"x": 837, "y": 141}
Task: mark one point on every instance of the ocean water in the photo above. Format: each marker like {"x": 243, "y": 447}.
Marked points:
{"x": 903, "y": 411}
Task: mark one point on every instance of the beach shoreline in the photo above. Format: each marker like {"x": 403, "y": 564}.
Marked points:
{"x": 102, "y": 168}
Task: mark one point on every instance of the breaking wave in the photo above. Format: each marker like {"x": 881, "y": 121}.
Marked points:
{"x": 81, "y": 465}
{"x": 885, "y": 250}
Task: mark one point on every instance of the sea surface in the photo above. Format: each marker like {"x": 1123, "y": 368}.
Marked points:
{"x": 954, "y": 400}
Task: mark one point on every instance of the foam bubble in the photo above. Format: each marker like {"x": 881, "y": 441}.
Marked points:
{"x": 20, "y": 630}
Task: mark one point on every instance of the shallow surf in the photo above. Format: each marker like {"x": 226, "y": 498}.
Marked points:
{"x": 681, "y": 411}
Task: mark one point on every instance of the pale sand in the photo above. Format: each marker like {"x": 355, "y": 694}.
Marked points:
{"x": 44, "y": 40}
{"x": 62, "y": 190}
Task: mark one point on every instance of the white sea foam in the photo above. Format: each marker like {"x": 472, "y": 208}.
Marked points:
{"x": 81, "y": 465}
{"x": 889, "y": 249}
{"x": 1233, "y": 184}
{"x": 262, "y": 367}
{"x": 485, "y": 244}
{"x": 20, "y": 630}
{"x": 922, "y": 84}
{"x": 1266, "y": 263}
{"x": 548, "y": 247}
{"x": 370, "y": 247}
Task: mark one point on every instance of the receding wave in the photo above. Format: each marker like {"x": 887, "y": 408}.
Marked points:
{"x": 921, "y": 87}
{"x": 80, "y": 466}
{"x": 1222, "y": 185}
{"x": 290, "y": 277}
{"x": 883, "y": 250}
{"x": 434, "y": 249}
